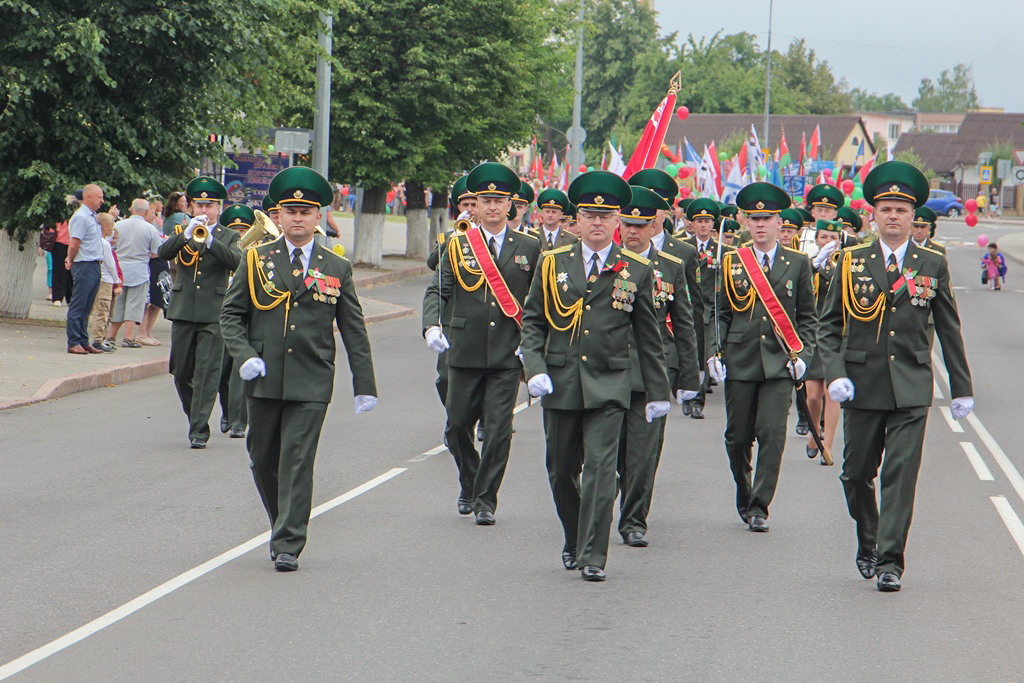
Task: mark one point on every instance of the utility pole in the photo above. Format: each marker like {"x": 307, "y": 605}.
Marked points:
{"x": 322, "y": 113}
{"x": 768, "y": 78}
{"x": 577, "y": 135}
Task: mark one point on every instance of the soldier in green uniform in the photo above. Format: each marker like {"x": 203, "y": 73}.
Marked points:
{"x": 703, "y": 216}
{"x": 580, "y": 311}
{"x": 521, "y": 201}
{"x": 665, "y": 186}
{"x": 684, "y": 230}
{"x": 767, "y": 331}
{"x": 278, "y": 321}
{"x": 730, "y": 229}
{"x": 924, "y": 229}
{"x": 554, "y": 208}
{"x": 852, "y": 225}
{"x": 640, "y": 442}
{"x": 234, "y": 416}
{"x": 270, "y": 208}
{"x": 200, "y": 282}
{"x": 874, "y": 342}
{"x": 484, "y": 275}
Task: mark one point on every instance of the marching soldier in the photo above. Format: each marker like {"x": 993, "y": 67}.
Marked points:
{"x": 703, "y": 215}
{"x": 234, "y": 416}
{"x": 852, "y": 225}
{"x": 278, "y": 321}
{"x": 205, "y": 254}
{"x": 683, "y": 230}
{"x": 270, "y": 208}
{"x": 767, "y": 324}
{"x": 665, "y": 186}
{"x": 554, "y": 209}
{"x": 521, "y": 201}
{"x": 571, "y": 226}
{"x": 484, "y": 275}
{"x": 924, "y": 229}
{"x": 730, "y": 229}
{"x": 792, "y": 224}
{"x": 640, "y": 441}
{"x": 580, "y": 312}
{"x": 874, "y": 343}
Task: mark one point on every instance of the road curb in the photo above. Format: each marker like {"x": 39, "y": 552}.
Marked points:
{"x": 392, "y": 276}
{"x": 1012, "y": 247}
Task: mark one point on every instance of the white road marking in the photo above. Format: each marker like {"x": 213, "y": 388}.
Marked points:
{"x": 523, "y": 406}
{"x": 428, "y": 454}
{"x": 1010, "y": 519}
{"x": 1004, "y": 462}
{"x": 980, "y": 468}
{"x": 936, "y": 389}
{"x": 953, "y": 424}
{"x": 939, "y": 367}
{"x": 112, "y": 617}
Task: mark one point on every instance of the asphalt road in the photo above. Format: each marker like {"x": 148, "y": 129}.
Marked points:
{"x": 101, "y": 501}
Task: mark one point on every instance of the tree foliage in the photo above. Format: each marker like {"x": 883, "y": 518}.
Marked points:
{"x": 862, "y": 100}
{"x": 954, "y": 91}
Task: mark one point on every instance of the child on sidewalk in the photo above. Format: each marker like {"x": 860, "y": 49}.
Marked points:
{"x": 110, "y": 286}
{"x": 993, "y": 267}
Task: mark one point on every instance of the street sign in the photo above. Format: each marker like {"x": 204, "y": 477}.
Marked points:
{"x": 1003, "y": 168}
{"x": 1017, "y": 175}
{"x": 292, "y": 140}
{"x": 986, "y": 175}
{"x": 1018, "y": 154}
{"x": 576, "y": 134}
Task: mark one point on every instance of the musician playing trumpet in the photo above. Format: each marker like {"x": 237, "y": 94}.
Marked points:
{"x": 205, "y": 254}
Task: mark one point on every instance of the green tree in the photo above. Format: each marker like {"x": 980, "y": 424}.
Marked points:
{"x": 954, "y": 91}
{"x": 862, "y": 100}
{"x": 911, "y": 157}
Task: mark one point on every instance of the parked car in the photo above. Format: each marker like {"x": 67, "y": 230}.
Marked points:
{"x": 945, "y": 203}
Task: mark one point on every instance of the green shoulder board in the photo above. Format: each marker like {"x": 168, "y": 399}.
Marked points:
{"x": 636, "y": 257}
{"x": 670, "y": 257}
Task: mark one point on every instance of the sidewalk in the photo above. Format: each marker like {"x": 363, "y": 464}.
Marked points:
{"x": 35, "y": 365}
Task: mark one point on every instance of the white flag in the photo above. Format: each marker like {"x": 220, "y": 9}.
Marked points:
{"x": 615, "y": 163}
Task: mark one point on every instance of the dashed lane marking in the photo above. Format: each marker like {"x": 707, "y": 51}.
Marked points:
{"x": 974, "y": 457}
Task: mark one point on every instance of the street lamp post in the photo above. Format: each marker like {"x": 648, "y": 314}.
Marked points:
{"x": 768, "y": 78}
{"x": 576, "y": 135}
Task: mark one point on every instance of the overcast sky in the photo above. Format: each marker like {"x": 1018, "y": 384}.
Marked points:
{"x": 880, "y": 45}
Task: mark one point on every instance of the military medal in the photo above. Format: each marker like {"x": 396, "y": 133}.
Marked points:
{"x": 789, "y": 288}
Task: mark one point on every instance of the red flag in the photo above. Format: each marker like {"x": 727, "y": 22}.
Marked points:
{"x": 647, "y": 150}
{"x": 741, "y": 159}
{"x": 783, "y": 155}
{"x": 866, "y": 168}
{"x": 815, "y": 142}
{"x": 551, "y": 172}
{"x": 803, "y": 150}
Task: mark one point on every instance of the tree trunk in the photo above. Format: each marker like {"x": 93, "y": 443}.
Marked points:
{"x": 17, "y": 263}
{"x": 370, "y": 240}
{"x": 438, "y": 215}
{"x": 417, "y": 231}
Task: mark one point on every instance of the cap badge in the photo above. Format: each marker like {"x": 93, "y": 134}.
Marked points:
{"x": 492, "y": 187}
{"x": 636, "y": 212}
{"x": 203, "y": 195}
{"x": 599, "y": 199}
{"x": 760, "y": 205}
{"x": 298, "y": 194}
{"x": 894, "y": 188}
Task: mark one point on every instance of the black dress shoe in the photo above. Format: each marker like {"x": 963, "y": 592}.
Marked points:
{"x": 569, "y": 559}
{"x": 485, "y": 518}
{"x": 687, "y": 407}
{"x": 197, "y": 443}
{"x": 224, "y": 426}
{"x": 591, "y": 573}
{"x": 866, "y": 562}
{"x": 759, "y": 524}
{"x": 801, "y": 427}
{"x": 888, "y": 582}
{"x": 237, "y": 433}
{"x": 465, "y": 507}
{"x": 286, "y": 563}
{"x": 697, "y": 412}
{"x": 636, "y": 539}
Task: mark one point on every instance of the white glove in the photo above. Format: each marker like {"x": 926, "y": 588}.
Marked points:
{"x": 683, "y": 395}
{"x": 824, "y": 254}
{"x": 436, "y": 341}
{"x": 841, "y": 390}
{"x": 252, "y": 368}
{"x": 540, "y": 385}
{"x": 209, "y": 239}
{"x": 797, "y": 369}
{"x": 198, "y": 220}
{"x": 961, "y": 407}
{"x": 365, "y": 404}
{"x": 656, "y": 409}
{"x": 519, "y": 354}
{"x": 716, "y": 369}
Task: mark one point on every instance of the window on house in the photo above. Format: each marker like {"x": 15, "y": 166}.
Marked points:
{"x": 894, "y": 131}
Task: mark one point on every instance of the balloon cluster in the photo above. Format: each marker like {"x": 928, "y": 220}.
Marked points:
{"x": 971, "y": 218}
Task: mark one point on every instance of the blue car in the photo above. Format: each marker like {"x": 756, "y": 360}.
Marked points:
{"x": 945, "y": 203}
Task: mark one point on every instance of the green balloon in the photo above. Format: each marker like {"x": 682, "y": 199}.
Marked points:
{"x": 722, "y": 156}
{"x": 858, "y": 193}
{"x": 387, "y": 209}
{"x": 270, "y": 149}
{"x": 590, "y": 168}
{"x": 762, "y": 171}
{"x": 672, "y": 169}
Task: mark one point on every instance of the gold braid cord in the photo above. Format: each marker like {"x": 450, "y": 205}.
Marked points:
{"x": 458, "y": 259}
{"x": 740, "y": 304}
{"x": 193, "y": 254}
{"x": 276, "y": 295}
{"x": 852, "y": 307}
{"x": 574, "y": 313}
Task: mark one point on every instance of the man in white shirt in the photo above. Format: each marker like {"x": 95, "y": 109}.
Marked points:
{"x": 137, "y": 242}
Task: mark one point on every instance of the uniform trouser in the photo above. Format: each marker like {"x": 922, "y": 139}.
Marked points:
{"x": 196, "y": 353}
{"x": 867, "y": 433}
{"x": 756, "y": 410}
{"x": 584, "y": 441}
{"x": 282, "y": 442}
{"x": 489, "y": 395}
{"x": 702, "y": 391}
{"x": 639, "y": 453}
{"x": 232, "y": 395}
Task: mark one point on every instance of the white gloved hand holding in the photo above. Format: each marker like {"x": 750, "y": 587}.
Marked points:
{"x": 961, "y": 407}
{"x": 656, "y": 409}
{"x": 825, "y": 253}
{"x": 519, "y": 354}
{"x": 797, "y": 369}
{"x": 252, "y": 368}
{"x": 192, "y": 224}
{"x": 683, "y": 395}
{"x": 540, "y": 385}
{"x": 436, "y": 341}
{"x": 365, "y": 404}
{"x": 716, "y": 369}
{"x": 209, "y": 239}
{"x": 841, "y": 390}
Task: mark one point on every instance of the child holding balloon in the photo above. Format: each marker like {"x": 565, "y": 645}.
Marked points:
{"x": 993, "y": 265}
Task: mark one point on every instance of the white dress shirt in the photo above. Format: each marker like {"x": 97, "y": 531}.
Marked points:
{"x": 498, "y": 238}
{"x": 550, "y": 237}
{"x": 900, "y": 252}
{"x": 771, "y": 254}
{"x": 307, "y": 253}
{"x": 602, "y": 258}
{"x": 659, "y": 240}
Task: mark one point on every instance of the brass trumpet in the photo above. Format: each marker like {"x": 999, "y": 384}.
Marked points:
{"x": 262, "y": 231}
{"x": 462, "y": 225}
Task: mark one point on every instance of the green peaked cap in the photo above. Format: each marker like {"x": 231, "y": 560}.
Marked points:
{"x": 849, "y": 217}
{"x": 493, "y": 179}
{"x": 553, "y": 199}
{"x": 825, "y": 195}
{"x": 643, "y": 207}
{"x": 792, "y": 218}
{"x": 657, "y": 180}
{"x": 524, "y": 193}
{"x": 459, "y": 191}
{"x": 896, "y": 180}
{"x": 828, "y": 226}
{"x": 763, "y": 199}
{"x": 808, "y": 218}
{"x": 703, "y": 207}
{"x": 300, "y": 186}
{"x": 925, "y": 215}
{"x": 269, "y": 204}
{"x": 205, "y": 189}
{"x": 237, "y": 215}
{"x": 729, "y": 211}
{"x": 600, "y": 191}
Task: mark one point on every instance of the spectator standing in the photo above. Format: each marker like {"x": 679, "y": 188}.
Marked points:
{"x": 83, "y": 260}
{"x": 159, "y": 277}
{"x": 62, "y": 284}
{"x": 993, "y": 201}
{"x": 137, "y": 242}
{"x": 47, "y": 239}
{"x": 110, "y": 286}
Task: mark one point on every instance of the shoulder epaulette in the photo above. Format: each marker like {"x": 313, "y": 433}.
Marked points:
{"x": 748, "y": 243}
{"x": 932, "y": 251}
{"x": 559, "y": 250}
{"x": 527, "y": 234}
{"x": 670, "y": 257}
{"x": 795, "y": 251}
{"x": 635, "y": 256}
{"x": 335, "y": 254}
{"x": 862, "y": 245}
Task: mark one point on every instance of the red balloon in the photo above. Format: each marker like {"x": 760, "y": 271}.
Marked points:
{"x": 971, "y": 206}
{"x": 827, "y": 172}
{"x": 971, "y": 220}
{"x": 684, "y": 192}
{"x": 682, "y": 172}
{"x": 682, "y": 112}
{"x": 848, "y": 186}
{"x": 583, "y": 168}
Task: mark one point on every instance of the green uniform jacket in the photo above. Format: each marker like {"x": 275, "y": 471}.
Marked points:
{"x": 752, "y": 352}
{"x": 709, "y": 277}
{"x": 564, "y": 238}
{"x": 481, "y": 335}
{"x": 888, "y": 360}
{"x": 198, "y": 290}
{"x": 934, "y": 246}
{"x": 590, "y": 367}
{"x": 681, "y": 342}
{"x": 299, "y": 355}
